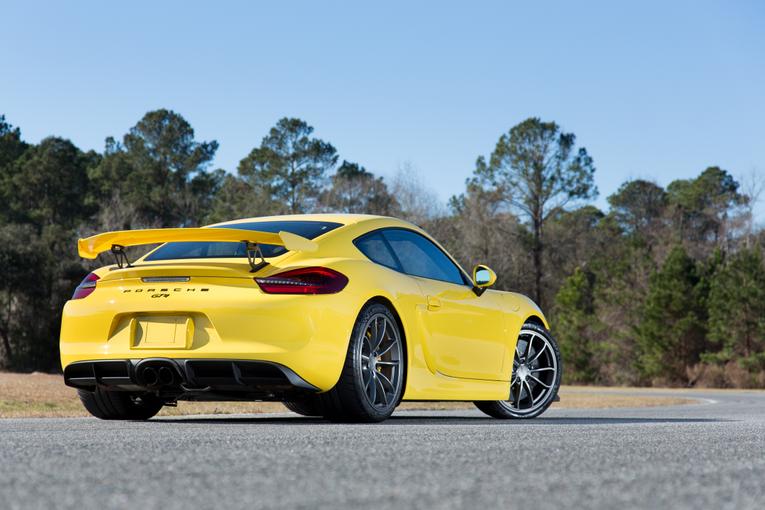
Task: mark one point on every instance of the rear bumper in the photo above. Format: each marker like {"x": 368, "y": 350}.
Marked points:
{"x": 190, "y": 379}
{"x": 308, "y": 334}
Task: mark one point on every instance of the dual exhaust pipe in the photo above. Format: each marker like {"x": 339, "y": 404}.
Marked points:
{"x": 157, "y": 375}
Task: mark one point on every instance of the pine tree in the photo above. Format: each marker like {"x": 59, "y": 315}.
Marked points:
{"x": 671, "y": 333}
{"x": 539, "y": 171}
{"x": 290, "y": 166}
{"x": 575, "y": 324}
{"x": 737, "y": 311}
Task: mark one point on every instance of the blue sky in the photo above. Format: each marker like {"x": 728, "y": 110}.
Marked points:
{"x": 656, "y": 90}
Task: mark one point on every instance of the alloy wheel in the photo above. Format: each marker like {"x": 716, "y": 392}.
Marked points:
{"x": 381, "y": 358}
{"x": 535, "y": 369}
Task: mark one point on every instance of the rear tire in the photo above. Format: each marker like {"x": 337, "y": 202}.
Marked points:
{"x": 372, "y": 381}
{"x": 309, "y": 406}
{"x": 118, "y": 405}
{"x": 534, "y": 384}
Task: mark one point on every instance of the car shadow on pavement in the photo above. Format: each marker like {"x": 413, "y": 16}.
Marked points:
{"x": 579, "y": 420}
{"x": 434, "y": 420}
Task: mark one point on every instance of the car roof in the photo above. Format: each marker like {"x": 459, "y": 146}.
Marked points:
{"x": 344, "y": 219}
{"x": 349, "y": 220}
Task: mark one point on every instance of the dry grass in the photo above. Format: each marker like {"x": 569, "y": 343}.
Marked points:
{"x": 45, "y": 395}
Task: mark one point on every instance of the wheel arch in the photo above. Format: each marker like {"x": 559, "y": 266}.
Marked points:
{"x": 535, "y": 319}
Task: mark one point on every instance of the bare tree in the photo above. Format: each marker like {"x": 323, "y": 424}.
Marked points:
{"x": 418, "y": 203}
{"x": 752, "y": 187}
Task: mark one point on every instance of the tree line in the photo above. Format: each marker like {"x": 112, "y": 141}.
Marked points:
{"x": 667, "y": 286}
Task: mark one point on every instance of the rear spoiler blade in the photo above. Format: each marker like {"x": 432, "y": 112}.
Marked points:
{"x": 90, "y": 247}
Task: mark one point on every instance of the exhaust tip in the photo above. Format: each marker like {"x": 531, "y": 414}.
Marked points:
{"x": 149, "y": 376}
{"x": 166, "y": 376}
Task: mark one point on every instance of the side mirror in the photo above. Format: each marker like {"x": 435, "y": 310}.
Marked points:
{"x": 483, "y": 277}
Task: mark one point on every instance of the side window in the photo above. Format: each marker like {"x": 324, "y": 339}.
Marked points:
{"x": 374, "y": 247}
{"x": 420, "y": 257}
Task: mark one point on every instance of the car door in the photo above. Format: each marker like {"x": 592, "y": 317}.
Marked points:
{"x": 465, "y": 333}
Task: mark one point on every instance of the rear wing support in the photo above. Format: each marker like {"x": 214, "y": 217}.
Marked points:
{"x": 253, "y": 251}
{"x": 120, "y": 256}
{"x": 253, "y": 254}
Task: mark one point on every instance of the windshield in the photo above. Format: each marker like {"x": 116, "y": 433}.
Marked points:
{"x": 206, "y": 249}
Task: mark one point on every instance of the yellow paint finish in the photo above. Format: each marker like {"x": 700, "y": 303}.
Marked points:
{"x": 459, "y": 345}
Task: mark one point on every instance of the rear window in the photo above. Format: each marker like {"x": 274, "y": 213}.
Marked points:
{"x": 206, "y": 249}
{"x": 376, "y": 248}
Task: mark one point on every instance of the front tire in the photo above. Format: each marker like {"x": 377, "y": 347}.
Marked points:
{"x": 118, "y": 405}
{"x": 537, "y": 368}
{"x": 371, "y": 383}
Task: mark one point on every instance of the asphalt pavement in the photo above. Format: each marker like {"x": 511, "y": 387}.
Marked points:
{"x": 705, "y": 455}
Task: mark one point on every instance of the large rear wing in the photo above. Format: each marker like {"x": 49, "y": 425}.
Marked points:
{"x": 117, "y": 241}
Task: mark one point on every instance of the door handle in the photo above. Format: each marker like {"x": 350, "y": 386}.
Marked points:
{"x": 433, "y": 303}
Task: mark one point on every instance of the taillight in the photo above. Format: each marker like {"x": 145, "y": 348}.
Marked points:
{"x": 307, "y": 280}
{"x": 86, "y": 287}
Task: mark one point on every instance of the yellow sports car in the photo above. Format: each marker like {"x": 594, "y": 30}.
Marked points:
{"x": 340, "y": 316}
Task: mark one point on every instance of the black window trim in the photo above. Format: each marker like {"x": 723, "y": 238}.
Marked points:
{"x": 466, "y": 281}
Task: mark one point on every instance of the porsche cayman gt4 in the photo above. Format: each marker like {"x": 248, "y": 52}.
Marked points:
{"x": 338, "y": 316}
